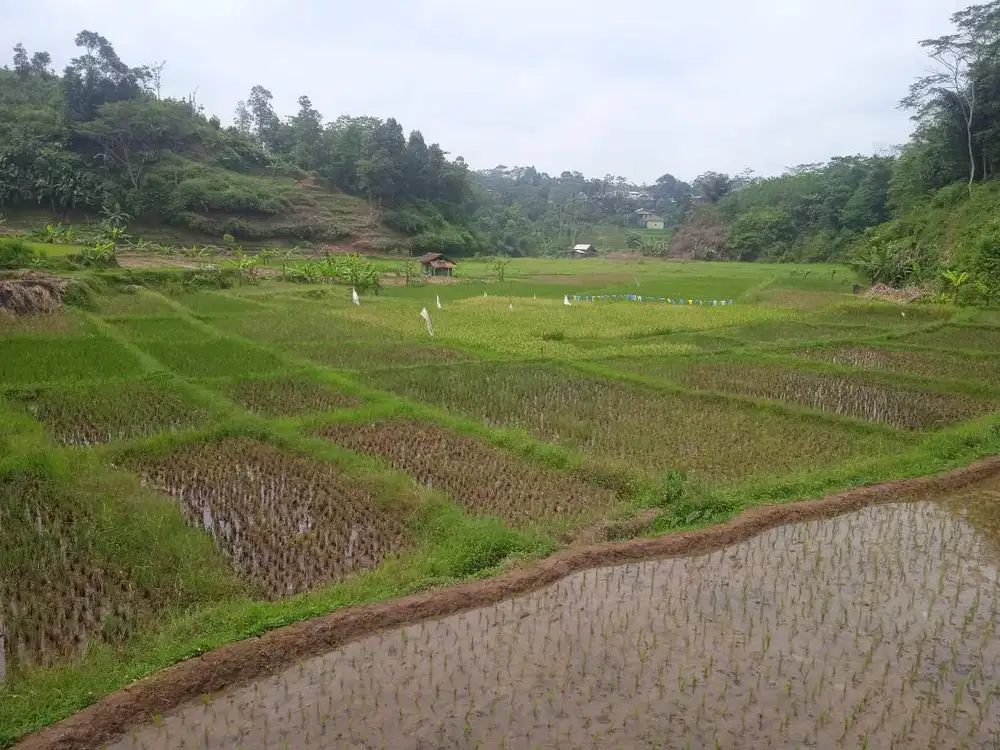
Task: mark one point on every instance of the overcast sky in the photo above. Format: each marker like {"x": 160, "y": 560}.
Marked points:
{"x": 621, "y": 86}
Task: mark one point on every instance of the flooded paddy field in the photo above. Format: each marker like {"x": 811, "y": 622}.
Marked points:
{"x": 874, "y": 629}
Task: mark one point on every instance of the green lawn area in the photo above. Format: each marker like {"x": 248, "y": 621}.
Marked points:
{"x": 54, "y": 250}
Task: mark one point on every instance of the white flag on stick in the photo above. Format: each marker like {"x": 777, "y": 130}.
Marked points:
{"x": 427, "y": 317}
{"x": 566, "y": 299}
{"x": 354, "y": 296}
{"x": 439, "y": 301}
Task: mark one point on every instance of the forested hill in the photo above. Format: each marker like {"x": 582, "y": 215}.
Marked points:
{"x": 100, "y": 135}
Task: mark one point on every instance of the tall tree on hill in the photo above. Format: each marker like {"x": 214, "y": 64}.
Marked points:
{"x": 255, "y": 117}
{"x": 99, "y": 76}
{"x": 305, "y": 136}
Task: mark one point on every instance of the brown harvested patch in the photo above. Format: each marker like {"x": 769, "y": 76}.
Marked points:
{"x": 56, "y": 322}
{"x": 364, "y": 355}
{"x": 478, "y": 476}
{"x": 286, "y": 522}
{"x": 31, "y": 294}
{"x": 797, "y": 298}
{"x": 244, "y": 661}
{"x": 287, "y": 396}
{"x": 93, "y": 414}
{"x": 924, "y": 362}
{"x": 905, "y": 408}
{"x": 129, "y": 260}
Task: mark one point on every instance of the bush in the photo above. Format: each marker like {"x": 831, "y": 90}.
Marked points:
{"x": 15, "y": 253}
{"x": 80, "y": 295}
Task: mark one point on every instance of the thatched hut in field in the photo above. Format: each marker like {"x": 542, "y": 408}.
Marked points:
{"x": 436, "y": 264}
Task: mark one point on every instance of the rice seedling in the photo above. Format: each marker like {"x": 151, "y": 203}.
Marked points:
{"x": 712, "y": 438}
{"x": 288, "y": 324}
{"x": 59, "y": 322}
{"x": 90, "y": 558}
{"x": 958, "y": 337}
{"x": 210, "y": 303}
{"x": 208, "y": 358}
{"x": 137, "y": 303}
{"x": 905, "y": 408}
{"x": 917, "y": 362}
{"x": 349, "y": 355}
{"x": 157, "y": 328}
{"x": 286, "y": 522}
{"x": 873, "y": 629}
{"x": 98, "y": 413}
{"x": 481, "y": 478}
{"x": 286, "y": 396}
{"x": 51, "y": 358}
{"x": 882, "y": 314}
{"x": 799, "y": 330}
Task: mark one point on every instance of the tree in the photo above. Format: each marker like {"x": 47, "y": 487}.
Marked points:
{"x": 98, "y": 76}
{"x": 711, "y": 187}
{"x": 21, "y": 63}
{"x": 958, "y": 59}
{"x": 264, "y": 123}
{"x": 305, "y": 136}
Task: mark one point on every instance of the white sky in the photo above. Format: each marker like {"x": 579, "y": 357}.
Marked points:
{"x": 627, "y": 87}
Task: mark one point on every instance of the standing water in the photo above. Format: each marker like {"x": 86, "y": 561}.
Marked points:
{"x": 873, "y": 629}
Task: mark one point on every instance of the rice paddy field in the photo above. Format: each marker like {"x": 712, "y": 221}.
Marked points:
{"x": 181, "y": 470}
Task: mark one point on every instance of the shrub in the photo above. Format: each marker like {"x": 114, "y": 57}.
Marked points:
{"x": 15, "y": 253}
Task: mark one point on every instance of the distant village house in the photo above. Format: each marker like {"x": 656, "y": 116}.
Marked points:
{"x": 654, "y": 222}
{"x": 583, "y": 251}
{"x": 436, "y": 264}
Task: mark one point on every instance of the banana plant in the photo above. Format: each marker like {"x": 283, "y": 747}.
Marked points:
{"x": 956, "y": 279}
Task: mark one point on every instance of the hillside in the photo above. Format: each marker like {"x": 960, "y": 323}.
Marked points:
{"x": 99, "y": 138}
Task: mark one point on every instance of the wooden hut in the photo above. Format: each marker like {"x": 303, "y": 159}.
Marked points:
{"x": 436, "y": 264}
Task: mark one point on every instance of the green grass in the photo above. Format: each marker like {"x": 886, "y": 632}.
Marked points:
{"x": 134, "y": 304}
{"x": 530, "y": 277}
{"x": 54, "y": 250}
{"x": 958, "y": 338}
{"x": 198, "y": 359}
{"x": 207, "y": 303}
{"x": 50, "y": 358}
{"x": 157, "y": 328}
{"x": 611, "y": 398}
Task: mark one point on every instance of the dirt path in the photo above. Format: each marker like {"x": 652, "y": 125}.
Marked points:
{"x": 242, "y": 662}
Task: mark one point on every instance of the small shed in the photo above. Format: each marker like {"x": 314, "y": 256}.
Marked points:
{"x": 583, "y": 251}
{"x": 436, "y": 264}
{"x": 654, "y": 222}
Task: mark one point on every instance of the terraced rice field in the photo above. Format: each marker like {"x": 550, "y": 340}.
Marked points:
{"x": 286, "y": 523}
{"x": 481, "y": 478}
{"x": 848, "y": 395}
{"x": 181, "y": 470}
{"x": 872, "y": 629}
{"x": 648, "y": 429}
